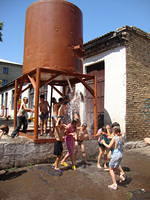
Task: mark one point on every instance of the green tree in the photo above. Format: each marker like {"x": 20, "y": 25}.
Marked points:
{"x": 1, "y": 27}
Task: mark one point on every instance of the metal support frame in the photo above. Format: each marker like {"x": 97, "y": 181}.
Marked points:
{"x": 37, "y": 86}
{"x": 34, "y": 78}
{"x": 95, "y": 106}
{"x": 15, "y": 103}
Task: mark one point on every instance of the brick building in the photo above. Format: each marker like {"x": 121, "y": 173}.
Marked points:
{"x": 121, "y": 62}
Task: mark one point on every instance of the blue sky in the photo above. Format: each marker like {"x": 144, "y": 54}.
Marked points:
{"x": 99, "y": 17}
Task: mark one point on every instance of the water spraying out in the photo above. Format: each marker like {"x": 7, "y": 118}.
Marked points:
{"x": 71, "y": 90}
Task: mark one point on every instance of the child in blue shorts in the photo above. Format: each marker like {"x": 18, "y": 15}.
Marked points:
{"x": 116, "y": 156}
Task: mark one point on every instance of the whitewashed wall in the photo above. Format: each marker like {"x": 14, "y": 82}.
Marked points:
{"x": 115, "y": 84}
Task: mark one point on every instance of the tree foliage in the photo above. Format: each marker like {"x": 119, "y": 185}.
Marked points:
{"x": 1, "y": 27}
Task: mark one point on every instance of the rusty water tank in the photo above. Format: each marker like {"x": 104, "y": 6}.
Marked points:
{"x": 53, "y": 36}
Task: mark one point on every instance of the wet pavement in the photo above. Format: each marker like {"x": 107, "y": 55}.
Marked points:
{"x": 86, "y": 183}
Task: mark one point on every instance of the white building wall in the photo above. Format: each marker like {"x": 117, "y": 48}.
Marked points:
{"x": 115, "y": 84}
{"x": 9, "y": 103}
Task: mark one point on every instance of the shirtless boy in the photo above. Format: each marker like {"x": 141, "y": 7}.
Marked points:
{"x": 82, "y": 134}
{"x": 44, "y": 112}
{"x": 58, "y": 146}
{"x": 56, "y": 105}
{"x": 62, "y": 112}
{"x": 70, "y": 132}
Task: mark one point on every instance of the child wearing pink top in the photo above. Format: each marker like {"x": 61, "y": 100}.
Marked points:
{"x": 70, "y": 143}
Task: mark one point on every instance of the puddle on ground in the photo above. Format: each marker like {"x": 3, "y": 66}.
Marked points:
{"x": 139, "y": 194}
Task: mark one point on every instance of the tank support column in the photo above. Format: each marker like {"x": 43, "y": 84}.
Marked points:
{"x": 95, "y": 105}
{"x": 15, "y": 104}
{"x": 36, "y": 110}
{"x": 18, "y": 91}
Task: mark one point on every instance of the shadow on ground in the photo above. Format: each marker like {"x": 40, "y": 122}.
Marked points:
{"x": 11, "y": 175}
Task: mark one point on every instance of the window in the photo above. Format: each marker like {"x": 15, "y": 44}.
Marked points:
{"x": 4, "y": 82}
{"x": 5, "y": 70}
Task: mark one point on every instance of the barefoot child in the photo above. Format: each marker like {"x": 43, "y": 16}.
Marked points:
{"x": 55, "y": 107}
{"x": 102, "y": 133}
{"x": 82, "y": 134}
{"x": 44, "y": 112}
{"x": 116, "y": 157}
{"x": 58, "y": 146}
{"x": 70, "y": 132}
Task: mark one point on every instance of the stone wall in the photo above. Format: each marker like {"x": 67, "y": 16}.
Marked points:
{"x": 138, "y": 84}
{"x": 22, "y": 151}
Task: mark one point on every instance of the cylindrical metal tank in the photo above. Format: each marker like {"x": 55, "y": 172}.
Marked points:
{"x": 53, "y": 36}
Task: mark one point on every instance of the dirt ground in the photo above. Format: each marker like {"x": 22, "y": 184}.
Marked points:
{"x": 86, "y": 183}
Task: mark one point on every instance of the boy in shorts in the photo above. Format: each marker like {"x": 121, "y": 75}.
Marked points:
{"x": 58, "y": 146}
{"x": 82, "y": 134}
{"x": 44, "y": 113}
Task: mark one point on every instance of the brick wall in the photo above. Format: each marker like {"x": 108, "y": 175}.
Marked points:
{"x": 138, "y": 85}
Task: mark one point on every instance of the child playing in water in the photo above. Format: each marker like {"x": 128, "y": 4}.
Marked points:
{"x": 58, "y": 147}
{"x": 22, "y": 118}
{"x": 70, "y": 132}
{"x": 55, "y": 105}
{"x": 102, "y": 133}
{"x": 44, "y": 112}
{"x": 82, "y": 134}
{"x": 116, "y": 157}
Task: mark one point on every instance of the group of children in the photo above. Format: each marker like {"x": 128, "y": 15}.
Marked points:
{"x": 73, "y": 136}
{"x": 110, "y": 139}
{"x": 110, "y": 143}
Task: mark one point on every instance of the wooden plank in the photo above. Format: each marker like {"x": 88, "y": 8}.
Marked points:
{"x": 19, "y": 88}
{"x": 39, "y": 141}
{"x": 15, "y": 103}
{"x": 29, "y": 86}
{"x": 87, "y": 86}
{"x": 51, "y": 107}
{"x": 75, "y": 74}
{"x": 26, "y": 135}
{"x": 37, "y": 86}
{"x": 32, "y": 80}
{"x": 61, "y": 94}
{"x": 95, "y": 106}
